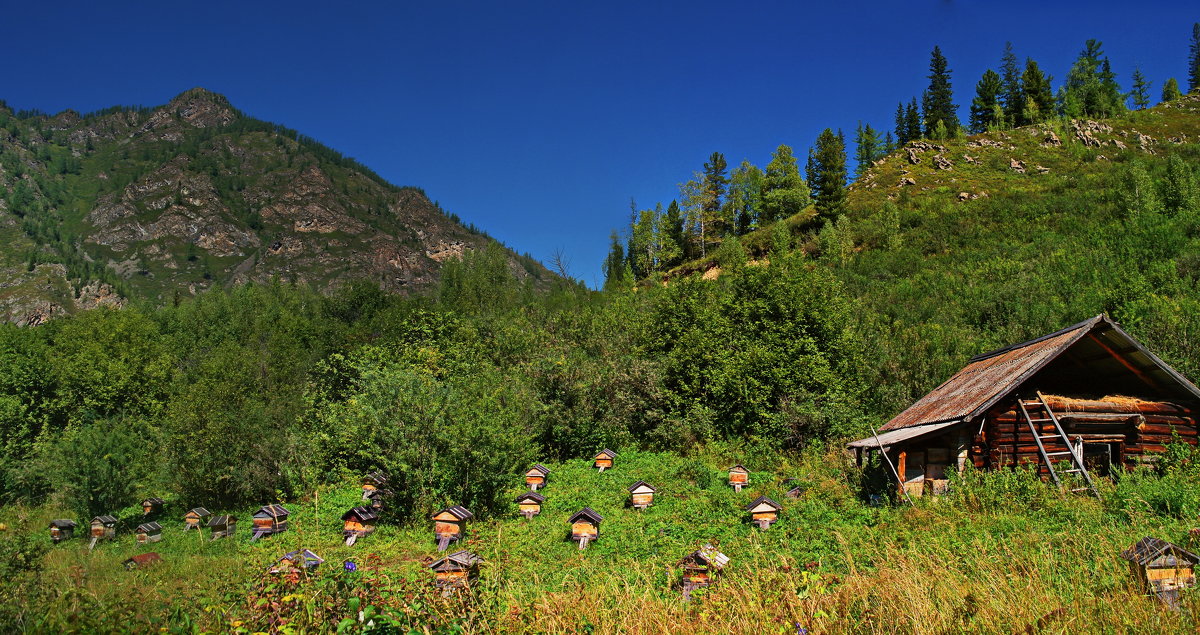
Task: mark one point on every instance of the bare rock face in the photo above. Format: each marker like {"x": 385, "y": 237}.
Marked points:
{"x": 970, "y": 159}
{"x": 942, "y": 163}
{"x": 913, "y": 157}
{"x": 906, "y": 181}
{"x": 1051, "y": 140}
{"x": 1016, "y": 165}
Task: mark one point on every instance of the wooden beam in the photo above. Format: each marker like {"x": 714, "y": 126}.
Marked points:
{"x": 901, "y": 471}
{"x": 1133, "y": 369}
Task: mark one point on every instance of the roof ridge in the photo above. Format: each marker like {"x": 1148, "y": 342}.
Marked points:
{"x": 1092, "y": 321}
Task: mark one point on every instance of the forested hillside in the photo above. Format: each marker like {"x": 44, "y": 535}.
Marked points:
{"x": 161, "y": 203}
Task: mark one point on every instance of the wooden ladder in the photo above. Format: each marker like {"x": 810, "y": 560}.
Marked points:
{"x": 1076, "y": 457}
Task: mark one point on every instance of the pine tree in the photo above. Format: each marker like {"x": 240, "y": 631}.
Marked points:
{"x": 912, "y": 120}
{"x": 937, "y": 103}
{"x": 889, "y": 145}
{"x": 828, "y": 179}
{"x": 673, "y": 221}
{"x": 986, "y": 102}
{"x": 1170, "y": 91}
{"x": 901, "y": 125}
{"x": 1039, "y": 98}
{"x": 1194, "y": 59}
{"x": 1091, "y": 88}
{"x": 715, "y": 182}
{"x": 1140, "y": 95}
{"x": 784, "y": 193}
{"x": 866, "y": 149}
{"x": 1012, "y": 95}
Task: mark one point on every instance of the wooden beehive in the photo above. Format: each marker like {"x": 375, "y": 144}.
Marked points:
{"x": 296, "y": 562}
{"x": 377, "y": 498}
{"x": 142, "y": 559}
{"x": 195, "y": 518}
{"x": 1162, "y": 568}
{"x": 641, "y": 495}
{"x": 268, "y": 521}
{"x": 149, "y": 532}
{"x": 358, "y": 523}
{"x": 456, "y": 570}
{"x": 103, "y": 528}
{"x": 450, "y": 525}
{"x": 62, "y": 529}
{"x": 529, "y": 504}
{"x": 152, "y": 505}
{"x": 585, "y": 526}
{"x": 763, "y": 511}
{"x": 373, "y": 481}
{"x": 796, "y": 491}
{"x": 222, "y": 526}
{"x": 536, "y": 477}
{"x": 739, "y": 476}
{"x": 604, "y": 460}
{"x": 701, "y": 567}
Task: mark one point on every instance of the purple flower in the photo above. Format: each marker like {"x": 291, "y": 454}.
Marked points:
{"x": 800, "y": 630}
{"x": 350, "y": 566}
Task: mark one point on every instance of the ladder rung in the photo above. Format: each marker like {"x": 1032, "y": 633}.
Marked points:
{"x": 1074, "y": 469}
{"x": 1040, "y": 420}
{"x": 1058, "y": 453}
{"x": 1049, "y": 436}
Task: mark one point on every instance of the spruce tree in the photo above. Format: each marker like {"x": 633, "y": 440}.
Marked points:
{"x": 1170, "y": 91}
{"x": 937, "y": 103}
{"x": 828, "y": 179}
{"x": 674, "y": 227}
{"x": 1039, "y": 98}
{"x": 715, "y": 179}
{"x": 987, "y": 101}
{"x": 912, "y": 120}
{"x": 901, "y": 125}
{"x": 866, "y": 149}
{"x": 1012, "y": 95}
{"x": 1091, "y": 88}
{"x": 1194, "y": 59}
{"x": 1140, "y": 95}
{"x": 614, "y": 263}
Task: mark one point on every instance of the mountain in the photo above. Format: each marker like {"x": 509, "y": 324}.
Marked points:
{"x": 158, "y": 203}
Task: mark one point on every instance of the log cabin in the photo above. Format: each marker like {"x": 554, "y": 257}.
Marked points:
{"x": 195, "y": 518}
{"x": 149, "y": 532}
{"x": 529, "y": 504}
{"x": 537, "y": 476}
{"x": 371, "y": 482}
{"x": 103, "y": 528}
{"x": 456, "y": 570}
{"x": 604, "y": 460}
{"x": 222, "y": 526}
{"x": 739, "y": 476}
{"x": 450, "y": 525}
{"x": 585, "y": 526}
{"x": 359, "y": 522}
{"x": 1162, "y": 568}
{"x": 700, "y": 568}
{"x": 152, "y": 505}
{"x": 62, "y": 529}
{"x": 764, "y": 512}
{"x": 641, "y": 495}
{"x": 1088, "y": 400}
{"x": 268, "y": 521}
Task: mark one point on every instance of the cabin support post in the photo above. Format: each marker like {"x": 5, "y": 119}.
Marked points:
{"x": 901, "y": 471}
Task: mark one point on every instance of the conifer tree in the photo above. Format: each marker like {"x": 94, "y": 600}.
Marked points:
{"x": 937, "y": 103}
{"x": 1140, "y": 95}
{"x": 912, "y": 120}
{"x": 784, "y": 193}
{"x": 1194, "y": 59}
{"x": 1012, "y": 95}
{"x": 986, "y": 105}
{"x": 1091, "y": 88}
{"x": 889, "y": 145}
{"x": 867, "y": 149}
{"x": 1170, "y": 91}
{"x": 1039, "y": 98}
{"x": 827, "y": 181}
{"x": 615, "y": 271}
{"x": 673, "y": 221}
{"x": 901, "y": 125}
{"x": 715, "y": 182}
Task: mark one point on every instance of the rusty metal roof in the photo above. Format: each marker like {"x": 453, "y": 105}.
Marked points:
{"x": 990, "y": 377}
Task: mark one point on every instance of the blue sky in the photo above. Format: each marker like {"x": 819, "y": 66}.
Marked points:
{"x": 539, "y": 120}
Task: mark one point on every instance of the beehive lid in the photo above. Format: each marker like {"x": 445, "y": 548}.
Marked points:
{"x": 531, "y": 497}
{"x": 537, "y": 469}
{"x": 606, "y": 454}
{"x": 762, "y": 504}
{"x": 642, "y": 487}
{"x": 105, "y": 520}
{"x": 588, "y": 514}
{"x": 1149, "y": 549}
{"x": 63, "y": 523}
{"x": 361, "y": 513}
{"x": 149, "y": 528}
{"x": 457, "y": 511}
{"x": 457, "y": 561}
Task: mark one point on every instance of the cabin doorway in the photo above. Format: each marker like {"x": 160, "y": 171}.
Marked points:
{"x": 1101, "y": 458}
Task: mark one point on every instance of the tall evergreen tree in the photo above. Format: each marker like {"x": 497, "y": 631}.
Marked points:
{"x": 784, "y": 193}
{"x": 889, "y": 145}
{"x": 1012, "y": 95}
{"x": 1039, "y": 97}
{"x": 1140, "y": 95}
{"x": 937, "y": 103}
{"x": 1194, "y": 59}
{"x": 901, "y": 125}
{"x": 715, "y": 181}
{"x": 986, "y": 110}
{"x": 827, "y": 181}
{"x": 1170, "y": 91}
{"x": 867, "y": 149}
{"x": 674, "y": 226}
{"x": 912, "y": 121}
{"x": 614, "y": 263}
{"x": 1091, "y": 88}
